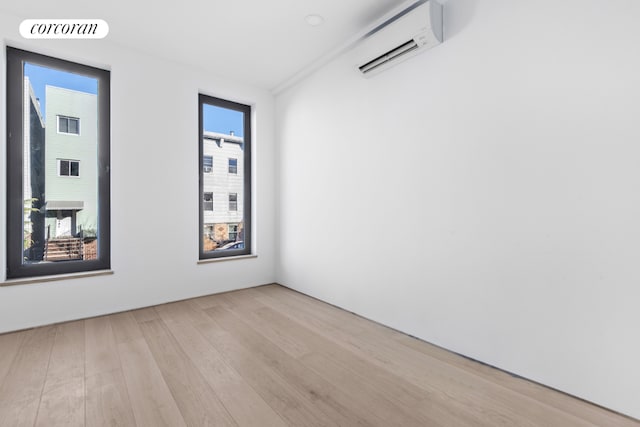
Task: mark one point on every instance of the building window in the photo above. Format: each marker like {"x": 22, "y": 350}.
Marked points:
{"x": 207, "y": 201}
{"x": 56, "y": 226}
{"x": 233, "y": 166}
{"x": 207, "y": 164}
{"x": 68, "y": 167}
{"x": 69, "y": 125}
{"x": 225, "y": 133}
{"x": 233, "y": 232}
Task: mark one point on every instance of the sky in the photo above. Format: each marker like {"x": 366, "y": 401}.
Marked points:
{"x": 222, "y": 120}
{"x": 42, "y": 76}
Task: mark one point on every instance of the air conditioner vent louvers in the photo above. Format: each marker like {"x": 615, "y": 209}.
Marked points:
{"x": 411, "y": 31}
{"x": 389, "y": 56}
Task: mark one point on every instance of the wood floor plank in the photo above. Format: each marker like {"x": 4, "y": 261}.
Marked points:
{"x": 249, "y": 306}
{"x": 349, "y": 370}
{"x": 125, "y": 327}
{"x": 10, "y": 344}
{"x": 101, "y": 354}
{"x": 208, "y": 301}
{"x": 336, "y": 404}
{"x": 63, "y": 395}
{"x": 21, "y": 388}
{"x": 151, "y": 399}
{"x": 183, "y": 312}
{"x": 292, "y": 405}
{"x": 367, "y": 396}
{"x": 107, "y": 399}
{"x": 145, "y": 314}
{"x": 243, "y": 403}
{"x": 198, "y": 403}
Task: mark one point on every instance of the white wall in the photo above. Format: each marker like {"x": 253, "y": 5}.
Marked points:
{"x": 483, "y": 196}
{"x": 154, "y": 202}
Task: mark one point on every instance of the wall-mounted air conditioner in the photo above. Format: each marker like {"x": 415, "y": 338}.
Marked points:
{"x": 412, "y": 31}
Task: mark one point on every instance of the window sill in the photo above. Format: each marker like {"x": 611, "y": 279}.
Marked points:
{"x": 42, "y": 279}
{"x": 227, "y": 258}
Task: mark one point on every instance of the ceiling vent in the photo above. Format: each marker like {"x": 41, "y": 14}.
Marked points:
{"x": 401, "y": 37}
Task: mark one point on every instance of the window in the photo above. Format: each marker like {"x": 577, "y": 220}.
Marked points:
{"x": 233, "y": 232}
{"x": 55, "y": 225}
{"x": 69, "y": 125}
{"x": 233, "y": 165}
{"x": 207, "y": 164}
{"x": 68, "y": 168}
{"x": 224, "y": 133}
{"x": 208, "y": 201}
{"x": 233, "y": 202}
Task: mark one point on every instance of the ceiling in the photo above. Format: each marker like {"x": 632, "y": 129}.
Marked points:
{"x": 263, "y": 43}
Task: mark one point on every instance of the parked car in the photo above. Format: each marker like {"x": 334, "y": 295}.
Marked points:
{"x": 232, "y": 245}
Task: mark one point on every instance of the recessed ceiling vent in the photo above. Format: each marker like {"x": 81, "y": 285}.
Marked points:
{"x": 401, "y": 37}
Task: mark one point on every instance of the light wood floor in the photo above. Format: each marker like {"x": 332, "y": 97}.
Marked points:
{"x": 266, "y": 356}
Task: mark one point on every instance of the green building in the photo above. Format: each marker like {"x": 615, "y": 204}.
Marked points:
{"x": 71, "y": 180}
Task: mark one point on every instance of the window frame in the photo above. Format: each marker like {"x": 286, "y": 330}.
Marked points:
{"x": 204, "y": 168}
{"x": 232, "y": 169}
{"x": 15, "y": 268}
{"x": 61, "y": 116}
{"x": 246, "y": 110}
{"x": 235, "y": 231}
{"x": 233, "y": 204}
{"x": 59, "y": 161}
{"x": 205, "y": 203}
